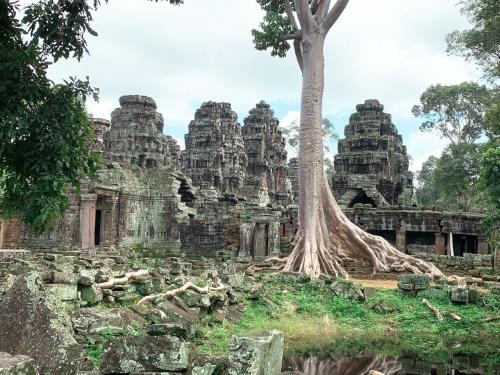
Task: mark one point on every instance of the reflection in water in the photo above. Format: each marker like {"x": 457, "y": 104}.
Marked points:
{"x": 345, "y": 366}
{"x": 387, "y": 365}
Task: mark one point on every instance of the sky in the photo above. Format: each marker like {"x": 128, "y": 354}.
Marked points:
{"x": 390, "y": 50}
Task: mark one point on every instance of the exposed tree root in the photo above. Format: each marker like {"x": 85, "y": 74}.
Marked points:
{"x": 187, "y": 286}
{"x": 438, "y": 313}
{"x": 123, "y": 280}
{"x": 435, "y": 310}
{"x": 321, "y": 246}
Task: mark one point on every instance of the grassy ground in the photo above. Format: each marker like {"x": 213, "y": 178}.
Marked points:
{"x": 312, "y": 318}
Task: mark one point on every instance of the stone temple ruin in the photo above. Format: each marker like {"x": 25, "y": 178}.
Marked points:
{"x": 232, "y": 193}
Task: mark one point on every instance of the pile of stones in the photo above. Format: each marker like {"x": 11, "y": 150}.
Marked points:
{"x": 55, "y": 310}
{"x": 476, "y": 265}
{"x": 464, "y": 290}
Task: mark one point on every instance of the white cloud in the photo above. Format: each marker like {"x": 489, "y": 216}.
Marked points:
{"x": 182, "y": 56}
{"x": 422, "y": 145}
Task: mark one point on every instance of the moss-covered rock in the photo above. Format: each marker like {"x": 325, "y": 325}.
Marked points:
{"x": 17, "y": 365}
{"x": 256, "y": 355}
{"x": 38, "y": 326}
{"x": 146, "y": 353}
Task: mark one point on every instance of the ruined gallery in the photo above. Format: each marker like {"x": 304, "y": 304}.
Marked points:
{"x": 232, "y": 192}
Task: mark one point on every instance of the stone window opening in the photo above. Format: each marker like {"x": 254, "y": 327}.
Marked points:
{"x": 361, "y": 197}
{"x": 185, "y": 192}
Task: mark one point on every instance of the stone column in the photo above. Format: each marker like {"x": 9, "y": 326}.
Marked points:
{"x": 87, "y": 222}
{"x": 246, "y": 232}
{"x": 482, "y": 245}
{"x": 108, "y": 220}
{"x": 274, "y": 238}
{"x": 451, "y": 252}
{"x": 440, "y": 244}
{"x": 401, "y": 240}
{"x": 10, "y": 234}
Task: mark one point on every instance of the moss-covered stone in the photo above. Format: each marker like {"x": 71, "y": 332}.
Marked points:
{"x": 256, "y": 355}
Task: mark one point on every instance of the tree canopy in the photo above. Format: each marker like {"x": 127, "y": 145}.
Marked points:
{"x": 456, "y": 112}
{"x": 45, "y": 133}
{"x": 481, "y": 43}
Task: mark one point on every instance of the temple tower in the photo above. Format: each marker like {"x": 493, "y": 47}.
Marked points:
{"x": 372, "y": 164}
{"x": 267, "y": 167}
{"x": 214, "y": 156}
{"x": 136, "y": 135}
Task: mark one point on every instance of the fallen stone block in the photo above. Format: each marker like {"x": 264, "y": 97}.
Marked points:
{"x": 459, "y": 295}
{"x": 91, "y": 294}
{"x": 35, "y": 325}
{"x": 17, "y": 365}
{"x": 256, "y": 355}
{"x": 129, "y": 355}
{"x": 209, "y": 365}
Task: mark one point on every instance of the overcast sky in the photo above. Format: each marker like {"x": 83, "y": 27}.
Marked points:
{"x": 391, "y": 50}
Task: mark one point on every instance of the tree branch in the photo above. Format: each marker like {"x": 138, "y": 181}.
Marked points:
{"x": 334, "y": 13}
{"x": 324, "y": 5}
{"x": 291, "y": 36}
{"x": 291, "y": 17}
{"x": 123, "y": 280}
{"x": 314, "y": 6}
{"x": 297, "y": 46}
{"x": 304, "y": 14}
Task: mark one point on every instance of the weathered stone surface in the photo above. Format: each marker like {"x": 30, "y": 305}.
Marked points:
{"x": 168, "y": 329}
{"x": 459, "y": 295}
{"x": 214, "y": 155}
{"x": 209, "y": 365}
{"x": 256, "y": 355}
{"x": 411, "y": 285}
{"x": 136, "y": 135}
{"x": 90, "y": 320}
{"x": 35, "y": 325}
{"x": 91, "y": 294}
{"x": 146, "y": 353}
{"x": 17, "y": 365}
{"x": 347, "y": 289}
{"x": 62, "y": 292}
{"x": 267, "y": 169}
{"x": 175, "y": 314}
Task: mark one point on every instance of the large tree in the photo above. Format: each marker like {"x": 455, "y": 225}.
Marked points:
{"x": 480, "y": 43}
{"x": 455, "y": 112}
{"x": 325, "y": 236}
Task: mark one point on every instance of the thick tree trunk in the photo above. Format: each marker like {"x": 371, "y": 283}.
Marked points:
{"x": 325, "y": 236}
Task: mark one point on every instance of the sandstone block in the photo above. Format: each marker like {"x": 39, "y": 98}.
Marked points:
{"x": 256, "y": 355}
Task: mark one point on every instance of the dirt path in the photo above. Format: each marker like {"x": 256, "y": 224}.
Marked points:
{"x": 377, "y": 283}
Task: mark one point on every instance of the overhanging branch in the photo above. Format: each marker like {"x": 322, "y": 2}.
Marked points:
{"x": 297, "y": 46}
{"x": 293, "y": 36}
{"x": 322, "y": 11}
{"x": 334, "y": 13}
{"x": 291, "y": 17}
{"x": 304, "y": 14}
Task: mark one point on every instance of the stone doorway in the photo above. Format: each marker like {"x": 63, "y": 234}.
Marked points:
{"x": 97, "y": 219}
{"x": 260, "y": 241}
{"x": 97, "y": 231}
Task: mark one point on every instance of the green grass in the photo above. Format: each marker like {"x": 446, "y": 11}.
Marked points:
{"x": 94, "y": 347}
{"x": 312, "y": 318}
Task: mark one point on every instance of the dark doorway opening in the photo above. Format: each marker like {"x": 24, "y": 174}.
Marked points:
{"x": 388, "y": 235}
{"x": 361, "y": 197}
{"x": 420, "y": 238}
{"x": 97, "y": 229}
{"x": 463, "y": 243}
{"x": 266, "y": 251}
